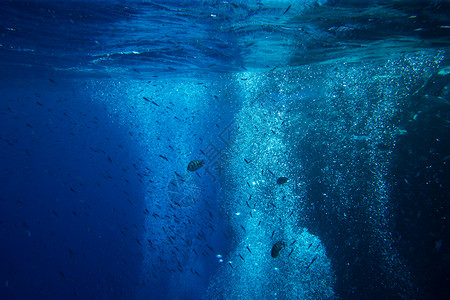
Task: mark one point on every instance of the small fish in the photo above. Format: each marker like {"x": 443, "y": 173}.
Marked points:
{"x": 163, "y": 157}
{"x": 291, "y": 252}
{"x": 277, "y": 248}
{"x": 249, "y": 249}
{"x": 314, "y": 259}
{"x": 273, "y": 232}
{"x": 287, "y": 9}
{"x": 282, "y": 180}
{"x": 241, "y": 257}
{"x": 195, "y": 165}
{"x": 179, "y": 264}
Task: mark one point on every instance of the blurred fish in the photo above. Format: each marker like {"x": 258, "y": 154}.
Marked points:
{"x": 282, "y": 180}
{"x": 314, "y": 259}
{"x": 277, "y": 248}
{"x": 163, "y": 157}
{"x": 195, "y": 165}
{"x": 287, "y": 9}
{"x": 291, "y": 252}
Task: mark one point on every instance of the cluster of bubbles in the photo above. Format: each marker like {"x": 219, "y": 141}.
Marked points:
{"x": 265, "y": 214}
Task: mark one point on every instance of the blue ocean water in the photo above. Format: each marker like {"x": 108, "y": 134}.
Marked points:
{"x": 323, "y": 127}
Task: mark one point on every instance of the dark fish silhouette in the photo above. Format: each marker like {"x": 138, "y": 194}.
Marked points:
{"x": 163, "y": 157}
{"x": 277, "y": 248}
{"x": 314, "y": 259}
{"x": 291, "y": 252}
{"x": 282, "y": 180}
{"x": 287, "y": 9}
{"x": 195, "y": 165}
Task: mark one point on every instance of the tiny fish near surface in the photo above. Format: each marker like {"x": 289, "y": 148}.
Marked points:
{"x": 195, "y": 165}
{"x": 277, "y": 248}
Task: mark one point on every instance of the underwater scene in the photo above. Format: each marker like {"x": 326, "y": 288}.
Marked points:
{"x": 215, "y": 149}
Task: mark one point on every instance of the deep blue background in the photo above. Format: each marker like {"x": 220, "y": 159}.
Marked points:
{"x": 74, "y": 179}
{"x": 69, "y": 215}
